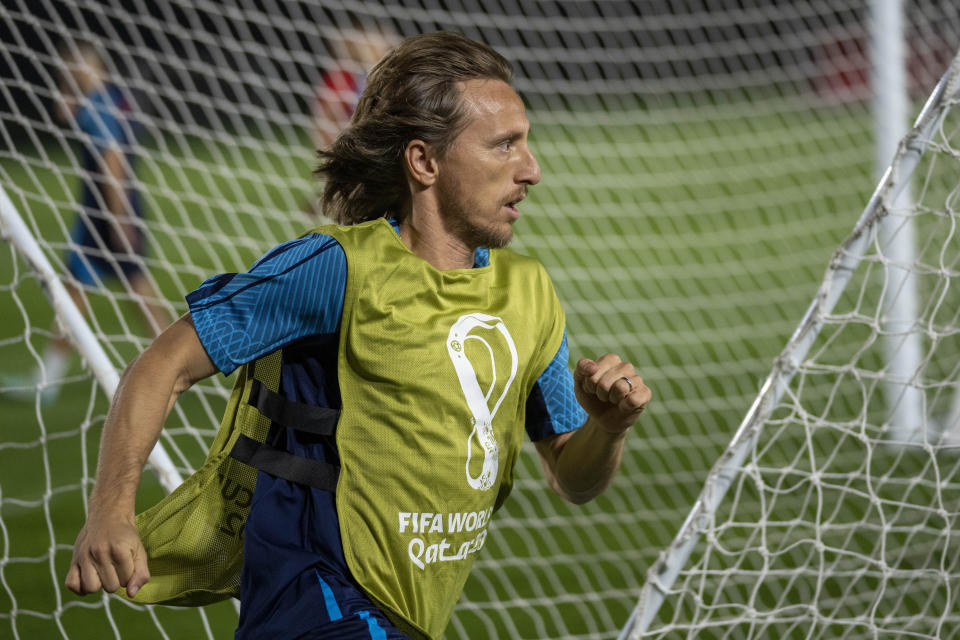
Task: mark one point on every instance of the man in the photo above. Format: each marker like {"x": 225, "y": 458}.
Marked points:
{"x": 106, "y": 241}
{"x": 433, "y": 343}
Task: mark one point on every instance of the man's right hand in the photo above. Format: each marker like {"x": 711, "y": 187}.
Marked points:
{"x": 108, "y": 555}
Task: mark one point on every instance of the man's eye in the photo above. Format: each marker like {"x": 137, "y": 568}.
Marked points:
{"x": 506, "y": 145}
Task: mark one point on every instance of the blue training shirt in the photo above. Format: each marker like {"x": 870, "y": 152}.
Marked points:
{"x": 292, "y": 298}
{"x": 102, "y": 118}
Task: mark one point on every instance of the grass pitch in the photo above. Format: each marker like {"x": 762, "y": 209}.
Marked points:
{"x": 690, "y": 246}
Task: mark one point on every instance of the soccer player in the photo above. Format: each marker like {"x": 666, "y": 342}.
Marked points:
{"x": 396, "y": 359}
{"x": 107, "y": 243}
{"x": 339, "y": 86}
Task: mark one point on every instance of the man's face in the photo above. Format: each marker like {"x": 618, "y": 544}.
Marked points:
{"x": 81, "y": 73}
{"x": 486, "y": 171}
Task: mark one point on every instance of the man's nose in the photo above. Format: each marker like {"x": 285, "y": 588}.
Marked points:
{"x": 530, "y": 170}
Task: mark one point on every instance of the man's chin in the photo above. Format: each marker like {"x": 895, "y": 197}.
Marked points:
{"x": 498, "y": 240}
{"x": 491, "y": 237}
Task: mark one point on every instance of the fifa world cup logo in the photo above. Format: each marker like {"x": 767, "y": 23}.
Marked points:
{"x": 479, "y": 399}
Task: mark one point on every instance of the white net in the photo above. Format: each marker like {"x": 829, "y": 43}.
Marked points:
{"x": 700, "y": 160}
{"x": 842, "y": 487}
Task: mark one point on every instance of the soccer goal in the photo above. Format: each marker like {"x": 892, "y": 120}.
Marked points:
{"x": 833, "y": 513}
{"x": 701, "y": 162}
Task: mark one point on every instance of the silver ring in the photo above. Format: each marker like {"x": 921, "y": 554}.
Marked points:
{"x": 628, "y": 382}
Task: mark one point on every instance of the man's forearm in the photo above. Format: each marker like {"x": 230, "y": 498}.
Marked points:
{"x": 115, "y": 196}
{"x": 581, "y": 464}
{"x": 588, "y": 461}
{"x": 145, "y": 396}
{"x": 108, "y": 552}
{"x": 143, "y": 399}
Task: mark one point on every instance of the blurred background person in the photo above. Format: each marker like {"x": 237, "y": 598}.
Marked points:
{"x": 355, "y": 50}
{"x": 106, "y": 242}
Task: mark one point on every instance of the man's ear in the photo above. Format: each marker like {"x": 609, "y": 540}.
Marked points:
{"x": 421, "y": 163}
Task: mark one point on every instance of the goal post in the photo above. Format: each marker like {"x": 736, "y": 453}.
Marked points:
{"x": 889, "y": 434}
{"x": 888, "y": 72}
{"x": 15, "y": 231}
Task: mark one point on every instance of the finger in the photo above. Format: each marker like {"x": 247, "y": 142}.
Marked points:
{"x": 622, "y": 387}
{"x": 603, "y": 364}
{"x": 89, "y": 578}
{"x": 103, "y": 563}
{"x": 638, "y": 399}
{"x": 123, "y": 563}
{"x": 73, "y": 578}
{"x": 584, "y": 369}
{"x": 612, "y": 385}
{"x": 141, "y": 572}
{"x": 581, "y": 375}
{"x": 596, "y": 381}
{"x": 608, "y": 361}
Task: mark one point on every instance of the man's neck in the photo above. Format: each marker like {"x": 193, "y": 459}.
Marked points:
{"x": 427, "y": 237}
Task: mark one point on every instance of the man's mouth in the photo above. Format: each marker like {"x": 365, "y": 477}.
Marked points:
{"x": 515, "y": 202}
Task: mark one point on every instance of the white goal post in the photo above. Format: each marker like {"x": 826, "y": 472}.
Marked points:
{"x": 932, "y": 433}
{"x": 700, "y": 163}
{"x": 14, "y": 231}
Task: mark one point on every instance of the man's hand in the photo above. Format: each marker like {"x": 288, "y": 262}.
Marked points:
{"x": 108, "y": 555}
{"x": 580, "y": 464}
{"x": 611, "y": 392}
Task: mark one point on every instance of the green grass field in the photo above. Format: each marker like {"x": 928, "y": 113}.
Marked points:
{"x": 691, "y": 246}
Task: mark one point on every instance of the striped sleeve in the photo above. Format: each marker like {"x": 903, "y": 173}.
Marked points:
{"x": 552, "y": 407}
{"x": 294, "y": 291}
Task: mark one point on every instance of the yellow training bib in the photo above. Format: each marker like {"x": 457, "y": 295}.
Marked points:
{"x": 435, "y": 368}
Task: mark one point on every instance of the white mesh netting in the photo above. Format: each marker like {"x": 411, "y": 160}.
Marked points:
{"x": 834, "y": 511}
{"x": 701, "y": 162}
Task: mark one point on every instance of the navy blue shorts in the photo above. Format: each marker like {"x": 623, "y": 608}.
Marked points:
{"x": 295, "y": 581}
{"x": 317, "y": 608}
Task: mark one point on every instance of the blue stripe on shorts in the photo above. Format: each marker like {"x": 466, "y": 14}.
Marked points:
{"x": 376, "y": 631}
{"x": 333, "y": 609}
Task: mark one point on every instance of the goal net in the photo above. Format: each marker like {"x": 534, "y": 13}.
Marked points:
{"x": 834, "y": 511}
{"x": 700, "y": 161}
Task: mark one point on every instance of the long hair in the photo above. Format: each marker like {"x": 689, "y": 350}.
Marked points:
{"x": 411, "y": 94}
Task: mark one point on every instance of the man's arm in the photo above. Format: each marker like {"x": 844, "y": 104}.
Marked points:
{"x": 122, "y": 230}
{"x": 579, "y": 465}
{"x": 108, "y": 553}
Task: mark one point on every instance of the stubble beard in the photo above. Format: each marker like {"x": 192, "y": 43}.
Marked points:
{"x": 457, "y": 209}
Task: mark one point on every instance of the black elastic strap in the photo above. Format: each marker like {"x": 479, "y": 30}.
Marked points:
{"x": 302, "y": 417}
{"x": 284, "y": 464}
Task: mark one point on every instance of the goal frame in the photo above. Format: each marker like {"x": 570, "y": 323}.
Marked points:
{"x": 664, "y": 572}
{"x": 77, "y": 330}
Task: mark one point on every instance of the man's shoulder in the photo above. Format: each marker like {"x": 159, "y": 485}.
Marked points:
{"x": 310, "y": 245}
{"x": 517, "y": 261}
{"x": 361, "y": 236}
{"x": 333, "y": 230}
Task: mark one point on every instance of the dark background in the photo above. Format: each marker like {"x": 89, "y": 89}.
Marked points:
{"x": 223, "y": 52}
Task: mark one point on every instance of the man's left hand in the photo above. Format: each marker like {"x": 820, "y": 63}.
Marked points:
{"x": 611, "y": 392}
